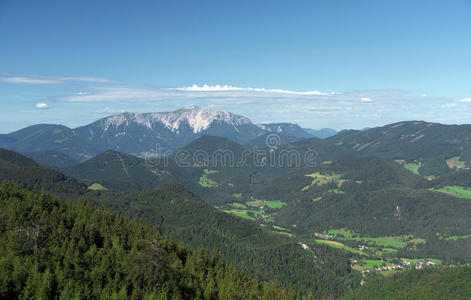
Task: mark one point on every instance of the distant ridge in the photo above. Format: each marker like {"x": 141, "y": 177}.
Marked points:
{"x": 137, "y": 133}
{"x": 321, "y": 133}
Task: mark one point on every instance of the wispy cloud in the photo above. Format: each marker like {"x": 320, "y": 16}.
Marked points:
{"x": 225, "y": 88}
{"x": 89, "y": 79}
{"x": 53, "y": 79}
{"x": 222, "y": 92}
{"x": 313, "y": 108}
{"x": 28, "y": 80}
{"x": 384, "y": 105}
{"x": 42, "y": 105}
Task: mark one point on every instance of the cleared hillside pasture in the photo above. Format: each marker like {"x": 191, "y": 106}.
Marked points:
{"x": 97, "y": 187}
{"x": 265, "y": 203}
{"x": 455, "y": 191}
{"x": 339, "y": 245}
{"x": 456, "y": 162}
{"x": 207, "y": 182}
{"x": 413, "y": 167}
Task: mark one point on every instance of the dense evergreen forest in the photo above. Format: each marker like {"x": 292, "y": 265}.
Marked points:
{"x": 431, "y": 284}
{"x": 53, "y": 250}
{"x": 185, "y": 217}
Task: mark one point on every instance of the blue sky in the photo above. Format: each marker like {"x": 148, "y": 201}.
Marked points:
{"x": 339, "y": 64}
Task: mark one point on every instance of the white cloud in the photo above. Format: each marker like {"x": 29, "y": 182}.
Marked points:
{"x": 88, "y": 79}
{"x": 42, "y": 105}
{"x": 349, "y": 107}
{"x": 110, "y": 94}
{"x": 221, "y": 92}
{"x": 28, "y": 80}
{"x": 225, "y": 88}
{"x": 465, "y": 100}
{"x": 52, "y": 79}
{"x": 109, "y": 111}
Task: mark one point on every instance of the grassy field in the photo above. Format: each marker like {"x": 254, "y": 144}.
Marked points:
{"x": 239, "y": 205}
{"x": 339, "y": 245}
{"x": 207, "y": 182}
{"x": 265, "y": 203}
{"x": 391, "y": 241}
{"x": 416, "y": 260}
{"x": 457, "y": 237}
{"x": 209, "y": 172}
{"x": 388, "y": 241}
{"x": 284, "y": 233}
{"x": 341, "y": 232}
{"x": 280, "y": 228}
{"x": 456, "y": 162}
{"x": 243, "y": 213}
{"x": 371, "y": 263}
{"x": 455, "y": 191}
{"x": 336, "y": 191}
{"x": 237, "y": 195}
{"x": 389, "y": 250}
{"x": 97, "y": 187}
{"x": 317, "y": 179}
{"x": 413, "y": 167}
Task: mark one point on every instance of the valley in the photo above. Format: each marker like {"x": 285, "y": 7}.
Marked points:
{"x": 357, "y": 214}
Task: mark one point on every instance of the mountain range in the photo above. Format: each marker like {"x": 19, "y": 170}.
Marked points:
{"x": 364, "y": 201}
{"x": 140, "y": 133}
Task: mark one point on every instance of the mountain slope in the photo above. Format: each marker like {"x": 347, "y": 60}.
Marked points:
{"x": 47, "y": 137}
{"x": 384, "y": 212}
{"x": 52, "y": 158}
{"x": 52, "y": 250}
{"x": 184, "y": 216}
{"x": 321, "y": 133}
{"x": 431, "y": 283}
{"x": 136, "y": 133}
{"x": 175, "y": 211}
{"x": 286, "y": 129}
{"x": 118, "y": 171}
{"x": 14, "y": 166}
{"x": 429, "y": 143}
{"x": 139, "y": 133}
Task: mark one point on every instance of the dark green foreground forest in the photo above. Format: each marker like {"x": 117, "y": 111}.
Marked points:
{"x": 55, "y": 250}
{"x": 50, "y": 249}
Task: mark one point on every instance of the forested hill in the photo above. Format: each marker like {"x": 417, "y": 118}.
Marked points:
{"x": 14, "y": 166}
{"x": 183, "y": 216}
{"x": 118, "y": 171}
{"x": 50, "y": 250}
{"x": 431, "y": 144}
{"x": 432, "y": 283}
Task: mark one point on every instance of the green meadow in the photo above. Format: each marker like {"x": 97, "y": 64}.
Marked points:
{"x": 244, "y": 213}
{"x": 455, "y": 191}
{"x": 339, "y": 245}
{"x": 207, "y": 182}
{"x": 413, "y": 167}
{"x": 388, "y": 241}
{"x": 457, "y": 237}
{"x": 456, "y": 162}
{"x": 269, "y": 204}
{"x": 97, "y": 187}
